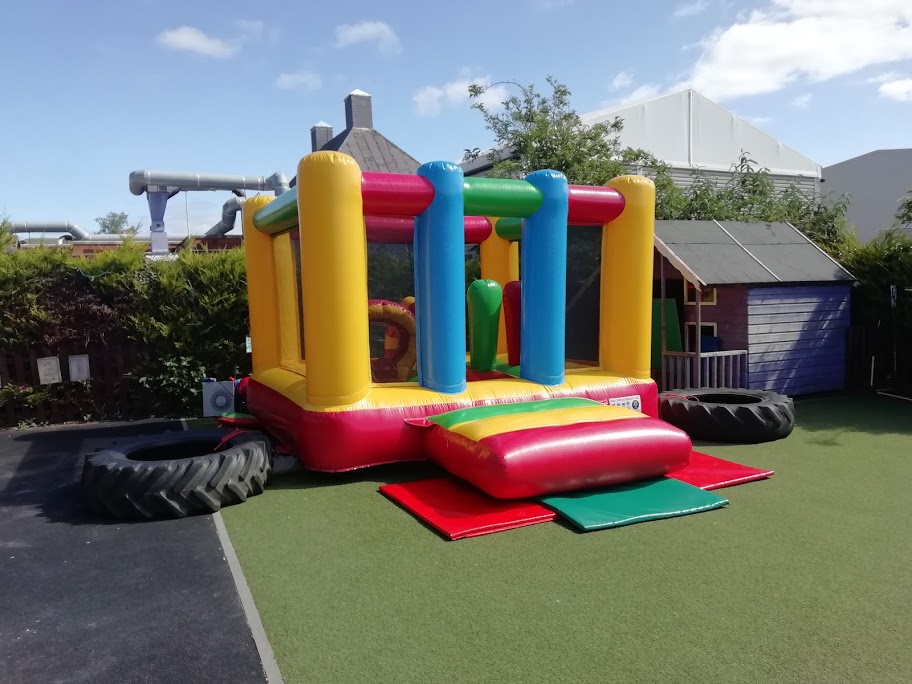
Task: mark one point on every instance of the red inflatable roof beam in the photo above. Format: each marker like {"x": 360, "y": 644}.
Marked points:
{"x": 594, "y": 206}
{"x": 400, "y": 230}
{"x": 395, "y": 194}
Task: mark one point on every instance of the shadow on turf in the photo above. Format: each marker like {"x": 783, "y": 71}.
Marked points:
{"x": 379, "y": 475}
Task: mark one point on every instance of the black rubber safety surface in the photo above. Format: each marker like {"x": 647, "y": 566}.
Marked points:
{"x": 84, "y": 599}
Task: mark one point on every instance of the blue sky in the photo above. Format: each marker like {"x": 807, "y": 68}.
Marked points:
{"x": 92, "y": 91}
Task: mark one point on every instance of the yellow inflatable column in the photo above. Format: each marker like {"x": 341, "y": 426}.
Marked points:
{"x": 514, "y": 260}
{"x": 262, "y": 294}
{"x": 333, "y": 279}
{"x": 289, "y": 306}
{"x": 626, "y": 294}
{"x": 495, "y": 265}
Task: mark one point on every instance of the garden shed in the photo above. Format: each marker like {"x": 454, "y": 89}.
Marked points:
{"x": 754, "y": 305}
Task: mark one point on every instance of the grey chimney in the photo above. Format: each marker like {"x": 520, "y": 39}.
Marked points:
{"x": 320, "y": 134}
{"x": 358, "y": 113}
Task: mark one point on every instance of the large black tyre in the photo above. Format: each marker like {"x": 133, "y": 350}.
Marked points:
{"x": 738, "y": 416}
{"x": 176, "y": 474}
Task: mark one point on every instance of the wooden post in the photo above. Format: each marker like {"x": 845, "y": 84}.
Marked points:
{"x": 698, "y": 336}
{"x": 664, "y": 324}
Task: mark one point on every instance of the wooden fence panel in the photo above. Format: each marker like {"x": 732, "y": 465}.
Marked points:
{"x": 108, "y": 394}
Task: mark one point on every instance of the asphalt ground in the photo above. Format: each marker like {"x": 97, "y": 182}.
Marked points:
{"x": 85, "y": 599}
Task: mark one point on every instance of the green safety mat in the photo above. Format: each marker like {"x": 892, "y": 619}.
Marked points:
{"x": 632, "y": 503}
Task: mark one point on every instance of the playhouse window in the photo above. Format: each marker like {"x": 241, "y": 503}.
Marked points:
{"x": 690, "y": 295}
{"x": 708, "y": 332}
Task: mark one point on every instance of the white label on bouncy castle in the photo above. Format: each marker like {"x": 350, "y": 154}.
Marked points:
{"x": 632, "y": 402}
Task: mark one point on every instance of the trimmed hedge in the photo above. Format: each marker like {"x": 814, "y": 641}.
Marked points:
{"x": 188, "y": 315}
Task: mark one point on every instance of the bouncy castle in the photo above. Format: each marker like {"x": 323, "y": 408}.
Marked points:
{"x": 475, "y": 380}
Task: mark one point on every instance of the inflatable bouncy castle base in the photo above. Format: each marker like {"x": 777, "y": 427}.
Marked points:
{"x": 515, "y": 451}
{"x": 381, "y": 428}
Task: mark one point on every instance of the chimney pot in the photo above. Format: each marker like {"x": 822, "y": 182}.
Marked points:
{"x": 320, "y": 134}
{"x": 358, "y": 110}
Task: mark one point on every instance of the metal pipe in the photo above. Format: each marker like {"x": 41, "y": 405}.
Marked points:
{"x": 229, "y": 212}
{"x": 50, "y": 227}
{"x": 141, "y": 181}
{"x": 278, "y": 183}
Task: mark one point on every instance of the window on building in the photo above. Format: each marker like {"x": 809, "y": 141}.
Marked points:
{"x": 690, "y": 295}
{"x": 709, "y": 333}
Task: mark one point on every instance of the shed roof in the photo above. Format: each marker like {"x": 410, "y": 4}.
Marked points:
{"x": 740, "y": 253}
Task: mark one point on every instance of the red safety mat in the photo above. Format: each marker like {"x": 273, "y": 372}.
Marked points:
{"x": 708, "y": 472}
{"x": 458, "y": 510}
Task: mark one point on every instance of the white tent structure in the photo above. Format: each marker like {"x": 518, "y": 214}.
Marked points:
{"x": 692, "y": 133}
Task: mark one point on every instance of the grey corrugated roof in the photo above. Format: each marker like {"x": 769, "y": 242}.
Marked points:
{"x": 738, "y": 253}
{"x": 373, "y": 151}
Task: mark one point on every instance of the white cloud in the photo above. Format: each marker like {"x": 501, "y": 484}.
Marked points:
{"x": 299, "y": 80}
{"x": 377, "y": 33}
{"x": 899, "y": 90}
{"x": 431, "y": 99}
{"x": 691, "y": 9}
{"x": 191, "y": 39}
{"x": 802, "y": 40}
{"x": 622, "y": 80}
{"x": 802, "y": 101}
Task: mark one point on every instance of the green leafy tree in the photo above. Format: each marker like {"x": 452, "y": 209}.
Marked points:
{"x": 542, "y": 131}
{"x": 904, "y": 214}
{"x": 7, "y": 237}
{"x": 117, "y": 223}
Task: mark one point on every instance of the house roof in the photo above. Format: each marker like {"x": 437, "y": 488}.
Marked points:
{"x": 373, "y": 151}
{"x": 739, "y": 253}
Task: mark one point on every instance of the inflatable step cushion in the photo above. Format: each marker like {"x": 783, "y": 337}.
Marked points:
{"x": 526, "y": 449}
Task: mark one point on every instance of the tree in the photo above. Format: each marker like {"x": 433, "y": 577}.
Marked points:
{"x": 904, "y": 214}
{"x": 544, "y": 132}
{"x": 8, "y": 239}
{"x": 536, "y": 131}
{"x": 117, "y": 223}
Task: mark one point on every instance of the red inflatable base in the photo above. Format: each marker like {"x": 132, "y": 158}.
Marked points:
{"x": 708, "y": 472}
{"x": 458, "y": 511}
{"x": 338, "y": 441}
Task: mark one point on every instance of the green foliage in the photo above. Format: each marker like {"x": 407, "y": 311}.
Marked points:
{"x": 904, "y": 213}
{"x": 7, "y": 237}
{"x": 189, "y": 315}
{"x": 544, "y": 132}
{"x": 885, "y": 261}
{"x": 117, "y": 223}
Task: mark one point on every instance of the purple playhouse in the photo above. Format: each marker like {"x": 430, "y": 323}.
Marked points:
{"x": 748, "y": 305}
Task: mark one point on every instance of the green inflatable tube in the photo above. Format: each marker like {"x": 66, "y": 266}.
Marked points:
{"x": 484, "y": 300}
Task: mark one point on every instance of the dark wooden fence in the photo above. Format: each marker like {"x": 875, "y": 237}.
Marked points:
{"x": 107, "y": 395}
{"x": 877, "y": 360}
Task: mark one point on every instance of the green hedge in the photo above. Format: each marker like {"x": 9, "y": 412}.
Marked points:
{"x": 189, "y": 316}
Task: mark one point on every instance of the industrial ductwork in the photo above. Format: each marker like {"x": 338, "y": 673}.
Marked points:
{"x": 168, "y": 181}
{"x": 160, "y": 186}
{"x": 50, "y": 227}
{"x": 229, "y": 214}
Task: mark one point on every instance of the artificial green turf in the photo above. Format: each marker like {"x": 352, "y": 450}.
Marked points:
{"x": 802, "y": 578}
